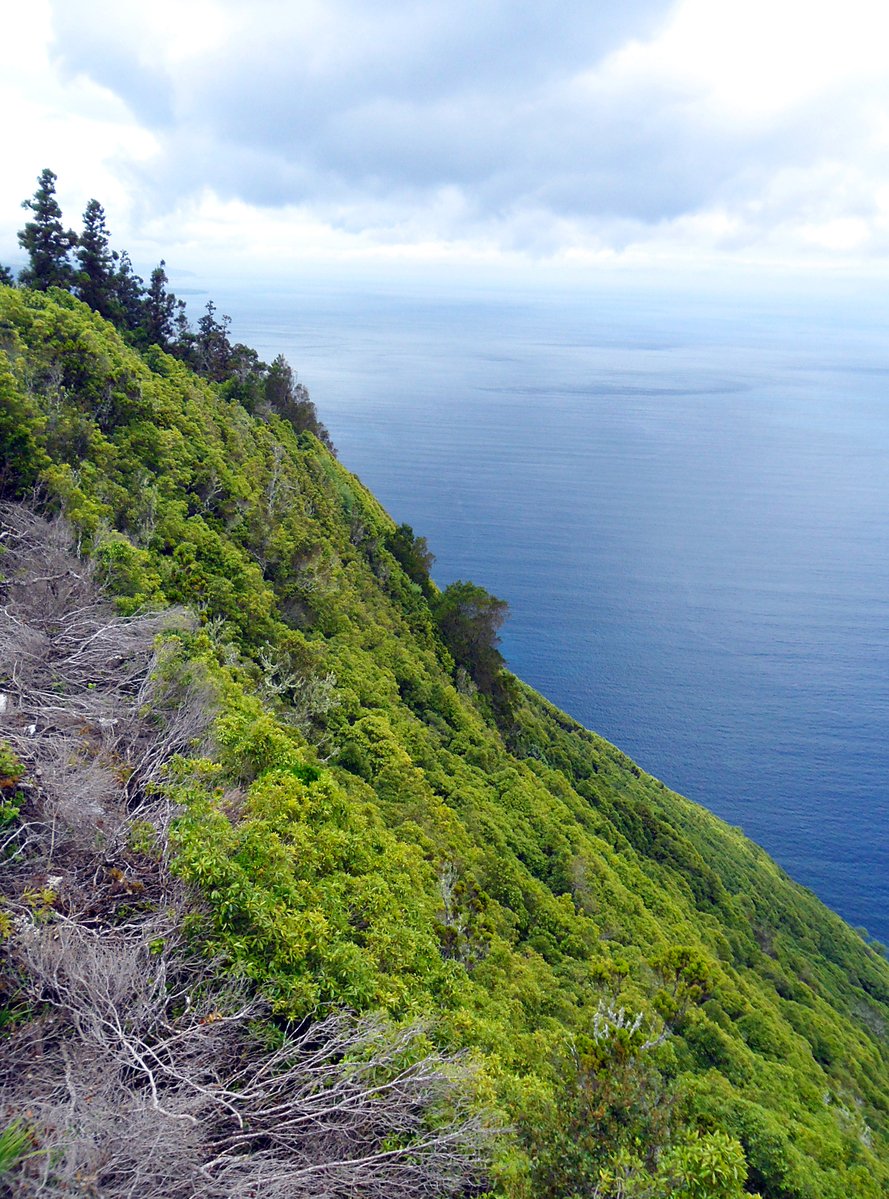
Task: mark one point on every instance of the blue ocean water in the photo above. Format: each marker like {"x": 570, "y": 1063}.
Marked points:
{"x": 684, "y": 501}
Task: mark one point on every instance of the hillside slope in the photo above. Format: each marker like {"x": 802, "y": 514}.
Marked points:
{"x": 369, "y": 829}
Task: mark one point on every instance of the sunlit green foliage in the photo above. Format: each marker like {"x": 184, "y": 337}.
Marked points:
{"x": 11, "y": 798}
{"x": 15, "y": 1143}
{"x": 370, "y": 828}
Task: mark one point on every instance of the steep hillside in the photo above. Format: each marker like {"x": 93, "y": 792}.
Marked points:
{"x": 370, "y": 827}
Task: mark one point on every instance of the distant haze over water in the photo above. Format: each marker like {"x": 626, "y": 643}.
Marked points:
{"x": 684, "y": 501}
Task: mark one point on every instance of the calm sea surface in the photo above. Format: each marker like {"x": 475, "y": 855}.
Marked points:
{"x": 684, "y": 502}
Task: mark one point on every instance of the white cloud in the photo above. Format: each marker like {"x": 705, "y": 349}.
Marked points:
{"x": 752, "y": 61}
{"x": 476, "y": 130}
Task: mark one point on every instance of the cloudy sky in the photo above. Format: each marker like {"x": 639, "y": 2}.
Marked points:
{"x": 604, "y": 133}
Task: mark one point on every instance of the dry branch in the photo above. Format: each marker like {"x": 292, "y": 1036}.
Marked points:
{"x": 88, "y": 698}
{"x": 338, "y": 1107}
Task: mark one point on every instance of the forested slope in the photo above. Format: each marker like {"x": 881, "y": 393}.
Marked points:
{"x": 377, "y": 819}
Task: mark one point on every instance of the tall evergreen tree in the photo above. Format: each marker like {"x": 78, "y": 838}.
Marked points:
{"x": 185, "y": 338}
{"x": 212, "y": 349}
{"x": 129, "y": 294}
{"x": 46, "y": 240}
{"x": 159, "y": 320}
{"x": 7, "y": 278}
{"x": 96, "y": 276}
{"x": 280, "y": 383}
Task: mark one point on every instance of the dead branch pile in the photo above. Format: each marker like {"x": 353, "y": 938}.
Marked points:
{"x": 144, "y": 1079}
{"x": 91, "y": 703}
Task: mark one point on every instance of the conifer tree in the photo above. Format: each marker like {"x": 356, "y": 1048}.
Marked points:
{"x": 185, "y": 338}
{"x": 212, "y": 347}
{"x": 46, "y": 240}
{"x": 96, "y": 277}
{"x": 7, "y": 278}
{"x": 280, "y": 383}
{"x": 129, "y": 294}
{"x": 159, "y": 320}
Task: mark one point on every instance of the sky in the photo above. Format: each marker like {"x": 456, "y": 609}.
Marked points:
{"x": 414, "y": 135}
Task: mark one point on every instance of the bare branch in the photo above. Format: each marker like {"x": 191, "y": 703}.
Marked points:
{"x": 342, "y": 1106}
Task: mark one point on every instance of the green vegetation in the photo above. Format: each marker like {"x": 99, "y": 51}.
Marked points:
{"x": 383, "y": 819}
{"x": 14, "y": 1145}
{"x": 11, "y": 771}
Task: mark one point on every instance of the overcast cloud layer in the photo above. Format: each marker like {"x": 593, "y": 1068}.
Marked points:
{"x": 646, "y": 131}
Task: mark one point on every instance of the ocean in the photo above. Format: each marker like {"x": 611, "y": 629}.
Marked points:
{"x": 683, "y": 497}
